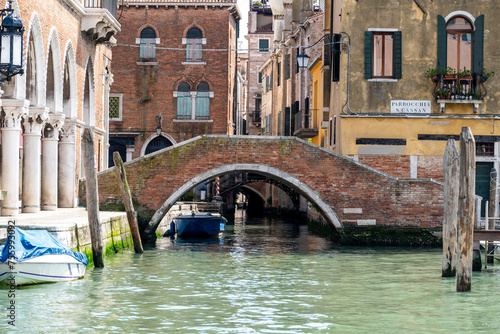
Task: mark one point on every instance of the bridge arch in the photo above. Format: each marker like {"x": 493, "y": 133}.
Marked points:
{"x": 302, "y": 188}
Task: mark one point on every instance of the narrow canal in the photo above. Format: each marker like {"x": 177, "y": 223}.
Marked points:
{"x": 264, "y": 276}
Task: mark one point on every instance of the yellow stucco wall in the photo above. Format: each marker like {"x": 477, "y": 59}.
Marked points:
{"x": 408, "y": 128}
{"x": 317, "y": 99}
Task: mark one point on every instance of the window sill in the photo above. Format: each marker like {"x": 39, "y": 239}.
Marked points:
{"x": 194, "y": 63}
{"x": 382, "y": 80}
{"x": 193, "y": 120}
{"x": 115, "y": 119}
{"x": 147, "y": 63}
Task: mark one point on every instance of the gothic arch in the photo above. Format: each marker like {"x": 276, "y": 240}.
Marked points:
{"x": 88, "y": 101}
{"x": 69, "y": 92}
{"x": 33, "y": 82}
{"x": 201, "y": 79}
{"x": 147, "y": 25}
{"x": 183, "y": 79}
{"x": 284, "y": 177}
{"x": 194, "y": 25}
{"x": 54, "y": 73}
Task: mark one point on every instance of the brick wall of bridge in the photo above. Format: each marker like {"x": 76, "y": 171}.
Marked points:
{"x": 355, "y": 192}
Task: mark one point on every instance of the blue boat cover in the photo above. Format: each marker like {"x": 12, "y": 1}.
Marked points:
{"x": 29, "y": 244}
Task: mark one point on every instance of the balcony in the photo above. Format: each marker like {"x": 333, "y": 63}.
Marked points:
{"x": 100, "y": 19}
{"x": 255, "y": 117}
{"x": 456, "y": 89}
{"x": 306, "y": 123}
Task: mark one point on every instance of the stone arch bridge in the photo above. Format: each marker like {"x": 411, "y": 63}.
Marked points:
{"x": 345, "y": 191}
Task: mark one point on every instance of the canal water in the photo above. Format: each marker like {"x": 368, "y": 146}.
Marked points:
{"x": 263, "y": 276}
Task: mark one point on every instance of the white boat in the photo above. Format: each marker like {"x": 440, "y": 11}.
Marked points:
{"x": 37, "y": 257}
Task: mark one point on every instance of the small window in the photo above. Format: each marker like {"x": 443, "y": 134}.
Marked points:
{"x": 287, "y": 67}
{"x": 263, "y": 45}
{"x": 148, "y": 44}
{"x": 115, "y": 107}
{"x": 279, "y": 74}
{"x": 485, "y": 149}
{"x": 296, "y": 62}
{"x": 383, "y": 54}
{"x": 194, "y": 41}
{"x": 259, "y": 80}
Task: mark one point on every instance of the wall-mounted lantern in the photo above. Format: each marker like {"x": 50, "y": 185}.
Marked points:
{"x": 158, "y": 128}
{"x": 11, "y": 44}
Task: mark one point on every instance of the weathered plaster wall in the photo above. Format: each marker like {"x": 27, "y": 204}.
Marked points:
{"x": 418, "y": 25}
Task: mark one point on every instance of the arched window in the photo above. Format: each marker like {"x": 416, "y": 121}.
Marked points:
{"x": 184, "y": 101}
{"x": 202, "y": 101}
{"x": 157, "y": 144}
{"x": 459, "y": 43}
{"x": 194, "y": 40}
{"x": 148, "y": 44}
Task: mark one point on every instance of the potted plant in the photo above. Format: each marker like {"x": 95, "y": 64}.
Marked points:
{"x": 486, "y": 74}
{"x": 443, "y": 93}
{"x": 256, "y": 4}
{"x": 464, "y": 73}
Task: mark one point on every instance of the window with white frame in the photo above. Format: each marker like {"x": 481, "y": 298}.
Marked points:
{"x": 115, "y": 107}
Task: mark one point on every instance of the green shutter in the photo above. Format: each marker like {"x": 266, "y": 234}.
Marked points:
{"x": 397, "y": 55}
{"x": 442, "y": 48}
{"x": 477, "y": 45}
{"x": 368, "y": 55}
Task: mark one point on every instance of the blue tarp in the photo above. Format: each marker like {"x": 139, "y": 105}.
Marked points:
{"x": 29, "y": 244}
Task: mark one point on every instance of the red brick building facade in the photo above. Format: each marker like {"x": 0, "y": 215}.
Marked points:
{"x": 172, "y": 80}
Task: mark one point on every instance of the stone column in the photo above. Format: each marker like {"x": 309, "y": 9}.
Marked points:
{"x": 33, "y": 125}
{"x": 50, "y": 161}
{"x": 130, "y": 151}
{"x": 12, "y": 113}
{"x": 67, "y": 165}
{"x": 108, "y": 81}
{"x": 193, "y": 105}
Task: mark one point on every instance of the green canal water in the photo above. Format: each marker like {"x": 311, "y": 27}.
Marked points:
{"x": 264, "y": 276}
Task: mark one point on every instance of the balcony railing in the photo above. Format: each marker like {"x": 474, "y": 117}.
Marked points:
{"x": 306, "y": 123}
{"x": 110, "y": 5}
{"x": 255, "y": 117}
{"x": 451, "y": 88}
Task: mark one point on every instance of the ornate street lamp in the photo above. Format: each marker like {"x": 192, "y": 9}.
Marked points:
{"x": 303, "y": 60}
{"x": 11, "y": 44}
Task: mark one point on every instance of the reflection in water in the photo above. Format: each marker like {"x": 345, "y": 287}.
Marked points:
{"x": 264, "y": 276}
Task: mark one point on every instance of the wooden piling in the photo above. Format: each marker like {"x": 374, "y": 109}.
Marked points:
{"x": 92, "y": 197}
{"x": 450, "y": 215}
{"x": 490, "y": 223}
{"x": 127, "y": 201}
{"x": 466, "y": 202}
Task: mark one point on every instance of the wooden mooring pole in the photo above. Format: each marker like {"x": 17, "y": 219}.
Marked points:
{"x": 466, "y": 203}
{"x": 92, "y": 197}
{"x": 127, "y": 201}
{"x": 490, "y": 223}
{"x": 450, "y": 215}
